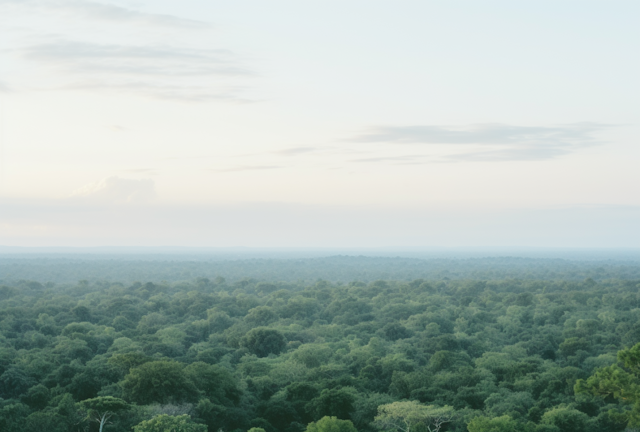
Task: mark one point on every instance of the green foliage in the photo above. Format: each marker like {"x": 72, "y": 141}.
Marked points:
{"x": 49, "y": 421}
{"x": 167, "y": 423}
{"x": 619, "y": 381}
{"x": 215, "y": 382}
{"x": 104, "y": 404}
{"x": 13, "y": 417}
{"x": 263, "y": 341}
{"x": 331, "y": 424}
{"x": 409, "y": 415}
{"x": 159, "y": 382}
{"x": 495, "y": 424}
{"x": 337, "y": 402}
{"x": 504, "y": 350}
{"x": 37, "y": 396}
{"x": 102, "y": 409}
{"x": 566, "y": 419}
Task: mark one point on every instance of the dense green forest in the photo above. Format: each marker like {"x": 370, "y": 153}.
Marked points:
{"x": 538, "y": 352}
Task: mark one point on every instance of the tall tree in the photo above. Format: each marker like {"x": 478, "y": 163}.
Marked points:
{"x": 405, "y": 416}
{"x": 102, "y": 409}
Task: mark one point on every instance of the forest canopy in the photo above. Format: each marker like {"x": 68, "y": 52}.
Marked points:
{"x": 551, "y": 350}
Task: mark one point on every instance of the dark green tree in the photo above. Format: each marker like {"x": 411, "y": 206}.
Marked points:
{"x": 496, "y": 424}
{"x": 263, "y": 341}
{"x": 159, "y": 382}
{"x": 215, "y": 382}
{"x": 338, "y": 402}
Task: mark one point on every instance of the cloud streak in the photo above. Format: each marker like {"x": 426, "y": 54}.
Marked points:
{"x": 134, "y": 60}
{"x": 167, "y": 72}
{"x": 492, "y": 141}
{"x": 107, "y": 12}
{"x": 163, "y": 62}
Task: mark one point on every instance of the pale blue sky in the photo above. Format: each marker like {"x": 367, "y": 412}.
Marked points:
{"x": 463, "y": 112}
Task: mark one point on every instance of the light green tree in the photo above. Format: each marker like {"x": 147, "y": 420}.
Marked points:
{"x": 167, "y": 423}
{"x": 620, "y": 381}
{"x": 566, "y": 419}
{"x": 102, "y": 409}
{"x": 331, "y": 424}
{"x": 405, "y": 416}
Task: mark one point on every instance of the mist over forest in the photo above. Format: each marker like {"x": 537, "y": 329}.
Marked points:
{"x": 128, "y": 265}
{"x": 295, "y": 341}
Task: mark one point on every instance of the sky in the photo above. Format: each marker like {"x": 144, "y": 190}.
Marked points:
{"x": 358, "y": 123}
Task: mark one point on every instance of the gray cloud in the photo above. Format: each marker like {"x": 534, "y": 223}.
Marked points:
{"x": 500, "y": 142}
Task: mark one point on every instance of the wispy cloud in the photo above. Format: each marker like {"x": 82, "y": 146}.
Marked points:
{"x": 164, "y": 60}
{"x": 106, "y": 12}
{"x": 485, "y": 134}
{"x": 493, "y": 142}
{"x": 167, "y": 72}
{"x": 83, "y": 57}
